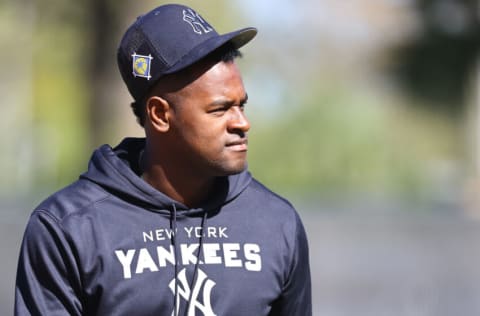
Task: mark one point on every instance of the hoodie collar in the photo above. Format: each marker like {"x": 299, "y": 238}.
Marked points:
{"x": 117, "y": 171}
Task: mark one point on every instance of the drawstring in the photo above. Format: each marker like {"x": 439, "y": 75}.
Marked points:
{"x": 200, "y": 244}
{"x": 173, "y": 225}
{"x": 174, "y": 241}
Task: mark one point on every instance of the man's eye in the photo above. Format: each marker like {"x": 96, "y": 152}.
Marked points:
{"x": 219, "y": 110}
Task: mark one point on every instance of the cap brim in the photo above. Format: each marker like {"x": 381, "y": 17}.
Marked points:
{"x": 237, "y": 38}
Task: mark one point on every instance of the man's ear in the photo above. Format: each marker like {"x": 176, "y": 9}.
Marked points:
{"x": 158, "y": 113}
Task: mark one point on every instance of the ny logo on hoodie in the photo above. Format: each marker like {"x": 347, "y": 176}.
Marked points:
{"x": 203, "y": 284}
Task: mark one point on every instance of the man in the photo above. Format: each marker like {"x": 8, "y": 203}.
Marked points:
{"x": 172, "y": 224}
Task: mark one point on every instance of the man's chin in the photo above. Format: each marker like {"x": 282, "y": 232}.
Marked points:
{"x": 233, "y": 169}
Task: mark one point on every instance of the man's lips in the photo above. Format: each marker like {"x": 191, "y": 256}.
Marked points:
{"x": 238, "y": 145}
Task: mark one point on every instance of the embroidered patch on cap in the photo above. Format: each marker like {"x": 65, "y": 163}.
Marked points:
{"x": 141, "y": 66}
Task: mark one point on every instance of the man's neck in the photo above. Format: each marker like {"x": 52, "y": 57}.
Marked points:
{"x": 177, "y": 184}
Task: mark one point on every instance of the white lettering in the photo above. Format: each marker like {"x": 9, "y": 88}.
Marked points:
{"x": 148, "y": 236}
{"x": 126, "y": 261}
{"x": 210, "y": 254}
{"x": 252, "y": 254}
{"x": 189, "y": 231}
{"x": 145, "y": 261}
{"x": 198, "y": 232}
{"x": 221, "y": 232}
{"x": 230, "y": 254}
{"x": 212, "y": 232}
{"x": 188, "y": 255}
{"x": 169, "y": 233}
{"x": 164, "y": 256}
{"x": 159, "y": 234}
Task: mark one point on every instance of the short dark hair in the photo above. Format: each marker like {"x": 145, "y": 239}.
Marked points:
{"x": 226, "y": 53}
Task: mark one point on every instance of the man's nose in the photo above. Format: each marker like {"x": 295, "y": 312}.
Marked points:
{"x": 238, "y": 120}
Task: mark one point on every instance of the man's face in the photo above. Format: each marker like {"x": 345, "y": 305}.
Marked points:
{"x": 208, "y": 125}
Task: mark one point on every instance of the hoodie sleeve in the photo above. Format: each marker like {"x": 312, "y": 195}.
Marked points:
{"x": 296, "y": 298}
{"x": 48, "y": 281}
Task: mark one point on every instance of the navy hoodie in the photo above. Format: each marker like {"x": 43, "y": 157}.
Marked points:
{"x": 111, "y": 244}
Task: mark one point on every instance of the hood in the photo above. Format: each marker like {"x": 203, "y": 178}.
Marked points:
{"x": 117, "y": 171}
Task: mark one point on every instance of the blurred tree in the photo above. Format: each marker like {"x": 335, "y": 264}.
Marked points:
{"x": 58, "y": 95}
{"x": 103, "y": 21}
{"x": 436, "y": 64}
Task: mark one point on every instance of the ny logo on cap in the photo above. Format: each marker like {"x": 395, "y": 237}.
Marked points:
{"x": 195, "y": 20}
{"x": 141, "y": 65}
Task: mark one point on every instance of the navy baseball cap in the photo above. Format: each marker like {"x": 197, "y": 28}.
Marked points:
{"x": 166, "y": 40}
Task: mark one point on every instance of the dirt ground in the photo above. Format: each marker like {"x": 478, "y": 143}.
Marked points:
{"x": 379, "y": 261}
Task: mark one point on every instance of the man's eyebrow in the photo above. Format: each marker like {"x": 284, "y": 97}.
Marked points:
{"x": 228, "y": 101}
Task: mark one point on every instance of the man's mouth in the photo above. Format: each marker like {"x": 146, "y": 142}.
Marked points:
{"x": 238, "y": 145}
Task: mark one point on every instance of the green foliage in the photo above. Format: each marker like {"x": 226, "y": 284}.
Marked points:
{"x": 336, "y": 142}
{"x": 437, "y": 65}
{"x": 60, "y": 96}
{"x": 331, "y": 140}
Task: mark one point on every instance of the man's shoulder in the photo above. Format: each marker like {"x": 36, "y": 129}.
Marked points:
{"x": 72, "y": 199}
{"x": 262, "y": 189}
{"x": 274, "y": 209}
{"x": 269, "y": 197}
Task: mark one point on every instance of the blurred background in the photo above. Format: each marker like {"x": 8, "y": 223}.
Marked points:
{"x": 365, "y": 114}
